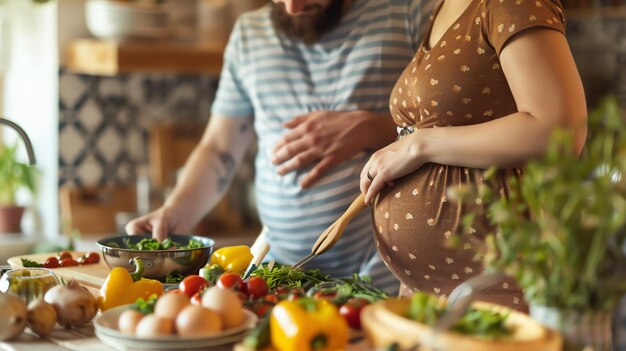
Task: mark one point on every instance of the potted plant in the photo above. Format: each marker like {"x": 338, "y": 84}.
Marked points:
{"x": 14, "y": 176}
{"x": 561, "y": 231}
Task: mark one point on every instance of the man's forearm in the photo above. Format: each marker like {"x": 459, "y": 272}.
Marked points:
{"x": 210, "y": 169}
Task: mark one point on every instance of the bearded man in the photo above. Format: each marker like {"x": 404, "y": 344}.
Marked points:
{"x": 312, "y": 78}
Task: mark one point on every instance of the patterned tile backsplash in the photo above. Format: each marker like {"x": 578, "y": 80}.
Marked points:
{"x": 104, "y": 121}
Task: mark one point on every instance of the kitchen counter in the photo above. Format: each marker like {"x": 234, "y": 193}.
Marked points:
{"x": 79, "y": 339}
{"x": 84, "y": 339}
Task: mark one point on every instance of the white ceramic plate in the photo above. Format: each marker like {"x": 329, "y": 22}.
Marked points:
{"x": 106, "y": 330}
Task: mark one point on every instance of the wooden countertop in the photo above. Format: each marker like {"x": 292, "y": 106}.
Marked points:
{"x": 102, "y": 57}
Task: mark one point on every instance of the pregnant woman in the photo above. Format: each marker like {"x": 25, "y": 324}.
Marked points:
{"x": 490, "y": 83}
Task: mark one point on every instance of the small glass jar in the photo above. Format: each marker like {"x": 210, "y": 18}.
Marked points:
{"x": 28, "y": 283}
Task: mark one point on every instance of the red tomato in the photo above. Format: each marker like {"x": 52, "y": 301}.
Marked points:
{"x": 243, "y": 287}
{"x": 273, "y": 298}
{"x": 256, "y": 287}
{"x": 229, "y": 281}
{"x": 176, "y": 291}
{"x": 89, "y": 258}
{"x": 261, "y": 309}
{"x": 281, "y": 290}
{"x": 52, "y": 262}
{"x": 68, "y": 262}
{"x": 196, "y": 299}
{"x": 192, "y": 284}
{"x": 325, "y": 295}
{"x": 351, "y": 312}
{"x": 93, "y": 257}
{"x": 64, "y": 254}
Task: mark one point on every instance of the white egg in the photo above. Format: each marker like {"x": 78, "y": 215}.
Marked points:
{"x": 170, "y": 304}
{"x": 196, "y": 320}
{"x": 226, "y": 304}
{"x": 128, "y": 321}
{"x": 152, "y": 325}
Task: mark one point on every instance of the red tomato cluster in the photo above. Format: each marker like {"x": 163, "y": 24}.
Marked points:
{"x": 256, "y": 296}
{"x": 65, "y": 259}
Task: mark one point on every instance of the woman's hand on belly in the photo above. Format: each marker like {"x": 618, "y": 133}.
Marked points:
{"x": 389, "y": 163}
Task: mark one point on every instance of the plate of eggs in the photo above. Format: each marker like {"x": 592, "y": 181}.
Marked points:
{"x": 175, "y": 323}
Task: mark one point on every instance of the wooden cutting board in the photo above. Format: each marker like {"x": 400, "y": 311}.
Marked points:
{"x": 91, "y": 276}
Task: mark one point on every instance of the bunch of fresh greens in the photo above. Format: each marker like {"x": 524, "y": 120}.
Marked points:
{"x": 174, "y": 277}
{"x": 562, "y": 227}
{"x": 145, "y": 306}
{"x": 345, "y": 289}
{"x": 26, "y": 263}
{"x": 288, "y": 277}
{"x": 167, "y": 244}
{"x": 427, "y": 309}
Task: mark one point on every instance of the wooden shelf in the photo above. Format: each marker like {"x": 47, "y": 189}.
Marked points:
{"x": 100, "y": 57}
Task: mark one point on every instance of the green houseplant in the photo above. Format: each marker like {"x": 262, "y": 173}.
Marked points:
{"x": 14, "y": 176}
{"x": 561, "y": 230}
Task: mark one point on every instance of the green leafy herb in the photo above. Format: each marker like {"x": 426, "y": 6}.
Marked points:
{"x": 174, "y": 277}
{"x": 357, "y": 286}
{"x": 562, "y": 229}
{"x": 486, "y": 324}
{"x": 15, "y": 175}
{"x": 289, "y": 277}
{"x": 26, "y": 263}
{"x": 211, "y": 273}
{"x": 145, "y": 306}
{"x": 167, "y": 244}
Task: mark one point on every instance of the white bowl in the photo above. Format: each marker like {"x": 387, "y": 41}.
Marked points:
{"x": 121, "y": 20}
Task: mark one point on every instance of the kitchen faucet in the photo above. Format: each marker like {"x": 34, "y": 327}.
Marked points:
{"x": 25, "y": 139}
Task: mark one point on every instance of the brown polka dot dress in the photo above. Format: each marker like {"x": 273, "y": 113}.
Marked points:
{"x": 457, "y": 82}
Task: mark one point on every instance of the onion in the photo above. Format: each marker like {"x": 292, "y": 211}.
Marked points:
{"x": 41, "y": 317}
{"x": 12, "y": 316}
{"x": 75, "y": 306}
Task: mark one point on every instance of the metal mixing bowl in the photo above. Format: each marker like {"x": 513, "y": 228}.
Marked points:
{"x": 157, "y": 263}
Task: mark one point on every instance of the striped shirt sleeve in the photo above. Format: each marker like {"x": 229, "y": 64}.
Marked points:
{"x": 419, "y": 13}
{"x": 231, "y": 99}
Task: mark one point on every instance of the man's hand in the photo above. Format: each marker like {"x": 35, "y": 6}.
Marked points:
{"x": 159, "y": 223}
{"x": 328, "y": 138}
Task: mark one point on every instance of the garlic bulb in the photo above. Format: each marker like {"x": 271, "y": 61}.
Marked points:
{"x": 74, "y": 305}
{"x": 13, "y": 316}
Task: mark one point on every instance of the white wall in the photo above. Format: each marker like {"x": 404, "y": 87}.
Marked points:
{"x": 30, "y": 95}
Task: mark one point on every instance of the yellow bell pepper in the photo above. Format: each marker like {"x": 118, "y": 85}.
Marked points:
{"x": 307, "y": 325}
{"x": 122, "y": 287}
{"x": 232, "y": 258}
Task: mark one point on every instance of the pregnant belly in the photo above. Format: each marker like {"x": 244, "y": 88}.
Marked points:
{"x": 416, "y": 224}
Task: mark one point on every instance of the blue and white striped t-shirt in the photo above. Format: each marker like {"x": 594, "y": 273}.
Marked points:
{"x": 274, "y": 78}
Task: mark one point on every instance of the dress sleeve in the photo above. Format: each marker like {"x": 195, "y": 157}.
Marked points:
{"x": 505, "y": 18}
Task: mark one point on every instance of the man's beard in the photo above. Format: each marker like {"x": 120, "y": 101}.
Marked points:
{"x": 309, "y": 27}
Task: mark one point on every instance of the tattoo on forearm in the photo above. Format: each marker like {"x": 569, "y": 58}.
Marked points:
{"x": 228, "y": 162}
{"x": 244, "y": 127}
